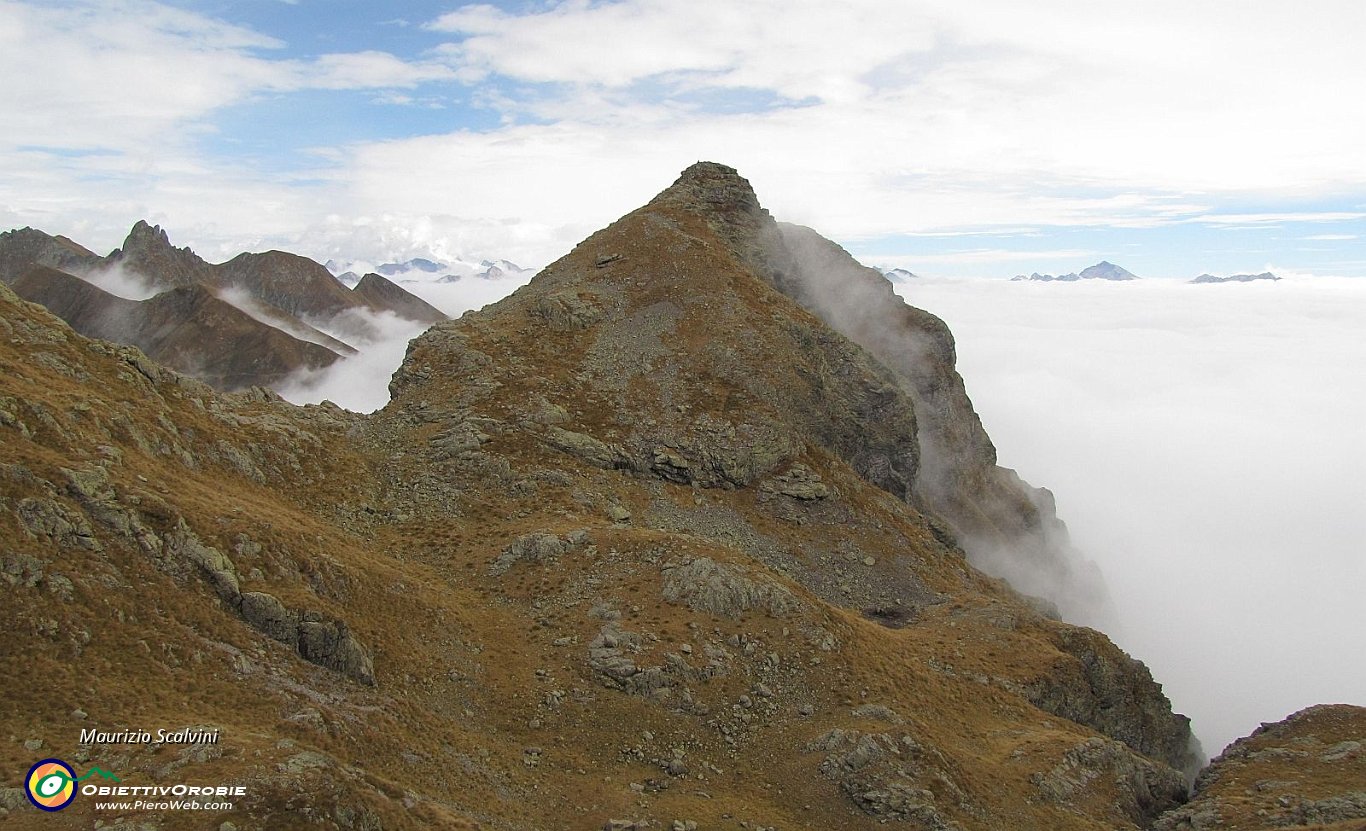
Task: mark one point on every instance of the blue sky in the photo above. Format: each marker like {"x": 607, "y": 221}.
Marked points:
{"x": 1175, "y": 138}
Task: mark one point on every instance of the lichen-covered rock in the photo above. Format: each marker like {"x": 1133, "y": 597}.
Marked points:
{"x": 567, "y": 311}
{"x": 585, "y": 447}
{"x": 321, "y": 640}
{"x": 705, "y": 585}
{"x": 536, "y": 547}
{"x": 266, "y": 613}
{"x": 329, "y": 643}
{"x": 885, "y": 776}
{"x": 215, "y": 566}
{"x": 611, "y": 655}
{"x": 50, "y": 519}
{"x": 799, "y": 482}
{"x": 1144, "y": 789}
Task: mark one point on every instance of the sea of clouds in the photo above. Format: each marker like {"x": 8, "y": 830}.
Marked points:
{"x": 1207, "y": 446}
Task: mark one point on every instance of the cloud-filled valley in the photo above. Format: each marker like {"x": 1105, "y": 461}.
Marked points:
{"x": 361, "y": 382}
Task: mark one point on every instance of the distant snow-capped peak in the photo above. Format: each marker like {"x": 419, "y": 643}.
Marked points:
{"x": 898, "y": 275}
{"x": 424, "y": 270}
{"x": 1103, "y": 270}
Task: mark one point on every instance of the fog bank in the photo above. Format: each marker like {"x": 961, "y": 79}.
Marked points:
{"x": 1206, "y": 445}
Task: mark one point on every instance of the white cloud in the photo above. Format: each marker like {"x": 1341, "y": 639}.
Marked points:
{"x": 703, "y": 43}
{"x": 115, "y": 280}
{"x": 863, "y": 119}
{"x": 931, "y": 119}
{"x": 359, "y": 382}
{"x": 134, "y": 74}
{"x": 368, "y": 70}
{"x": 1278, "y": 218}
{"x": 1204, "y": 444}
{"x": 1159, "y": 95}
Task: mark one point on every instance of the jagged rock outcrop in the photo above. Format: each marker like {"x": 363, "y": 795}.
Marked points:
{"x": 1107, "y": 689}
{"x": 708, "y": 586}
{"x": 1005, "y": 524}
{"x": 631, "y": 327}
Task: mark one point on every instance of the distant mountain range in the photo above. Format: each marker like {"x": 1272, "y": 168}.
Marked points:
{"x": 1235, "y": 278}
{"x": 251, "y": 321}
{"x": 422, "y": 270}
{"x": 1105, "y": 270}
{"x": 1102, "y": 270}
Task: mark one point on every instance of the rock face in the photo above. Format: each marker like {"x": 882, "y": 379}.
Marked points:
{"x": 1004, "y": 523}
{"x": 645, "y": 544}
{"x": 247, "y": 322}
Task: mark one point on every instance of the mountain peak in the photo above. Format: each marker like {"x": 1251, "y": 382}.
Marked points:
{"x": 144, "y": 231}
{"x": 1106, "y": 270}
{"x": 147, "y": 251}
{"x": 146, "y": 238}
{"x": 714, "y": 189}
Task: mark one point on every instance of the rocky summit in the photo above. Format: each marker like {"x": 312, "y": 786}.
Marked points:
{"x": 670, "y": 538}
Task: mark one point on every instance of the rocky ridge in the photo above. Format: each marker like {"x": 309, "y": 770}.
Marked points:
{"x": 596, "y": 565}
{"x": 254, "y": 314}
{"x": 187, "y": 328}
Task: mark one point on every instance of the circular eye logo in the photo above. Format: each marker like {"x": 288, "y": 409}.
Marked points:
{"x": 51, "y": 784}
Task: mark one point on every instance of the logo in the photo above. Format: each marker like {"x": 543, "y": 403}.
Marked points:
{"x": 51, "y": 783}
